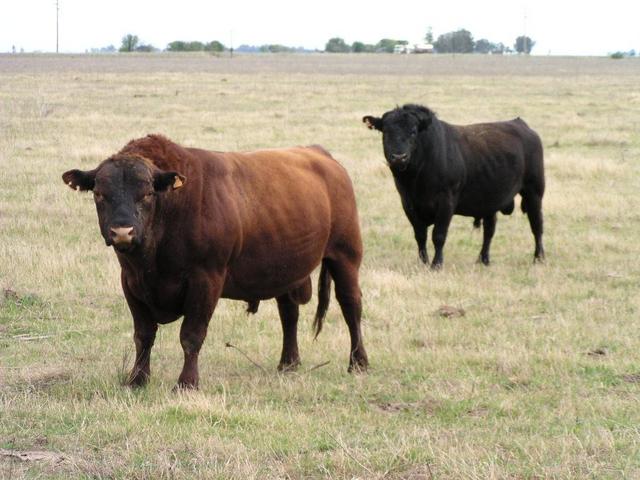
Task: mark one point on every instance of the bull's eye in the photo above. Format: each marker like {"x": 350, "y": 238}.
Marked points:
{"x": 98, "y": 197}
{"x": 147, "y": 196}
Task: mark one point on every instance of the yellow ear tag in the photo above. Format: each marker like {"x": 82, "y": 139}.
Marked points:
{"x": 177, "y": 183}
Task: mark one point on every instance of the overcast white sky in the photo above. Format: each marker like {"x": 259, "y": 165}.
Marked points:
{"x": 558, "y": 27}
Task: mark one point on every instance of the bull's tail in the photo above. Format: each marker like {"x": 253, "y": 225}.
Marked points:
{"x": 477, "y": 222}
{"x": 324, "y": 292}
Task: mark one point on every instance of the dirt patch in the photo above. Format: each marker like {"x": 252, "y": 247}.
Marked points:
{"x": 631, "y": 377}
{"x": 422, "y": 472}
{"x": 479, "y": 411}
{"x": 24, "y": 300}
{"x": 448, "y": 311}
{"x": 10, "y": 294}
{"x": 32, "y": 455}
{"x": 419, "y": 343}
{"x": 598, "y": 352}
{"x": 427, "y": 405}
{"x": 38, "y": 381}
{"x": 47, "y": 379}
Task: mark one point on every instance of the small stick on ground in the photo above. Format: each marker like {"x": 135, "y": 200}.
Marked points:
{"x": 229, "y": 345}
{"x": 320, "y": 365}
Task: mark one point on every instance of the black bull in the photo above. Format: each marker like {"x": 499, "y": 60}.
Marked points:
{"x": 474, "y": 170}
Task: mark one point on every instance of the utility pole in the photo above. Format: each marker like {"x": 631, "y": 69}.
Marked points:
{"x": 524, "y": 35}
{"x": 57, "y": 14}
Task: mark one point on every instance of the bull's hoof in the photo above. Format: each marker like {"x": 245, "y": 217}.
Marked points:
{"x": 358, "y": 368}
{"x": 186, "y": 385}
{"x": 137, "y": 379}
{"x": 436, "y": 266}
{"x": 289, "y": 366}
{"x": 424, "y": 258}
{"x": 539, "y": 258}
{"x": 484, "y": 260}
{"x": 358, "y": 364}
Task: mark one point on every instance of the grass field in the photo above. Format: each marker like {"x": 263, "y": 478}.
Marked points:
{"x": 539, "y": 379}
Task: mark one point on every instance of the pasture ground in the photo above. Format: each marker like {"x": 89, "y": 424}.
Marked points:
{"x": 539, "y": 379}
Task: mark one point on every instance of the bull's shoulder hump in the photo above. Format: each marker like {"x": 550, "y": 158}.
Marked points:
{"x": 313, "y": 159}
{"x": 520, "y": 121}
{"x": 291, "y": 156}
{"x": 157, "y": 149}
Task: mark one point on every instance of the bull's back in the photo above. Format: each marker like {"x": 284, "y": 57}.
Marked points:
{"x": 495, "y": 156}
{"x": 287, "y": 201}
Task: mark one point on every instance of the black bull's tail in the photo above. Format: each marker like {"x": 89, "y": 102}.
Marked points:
{"x": 324, "y": 292}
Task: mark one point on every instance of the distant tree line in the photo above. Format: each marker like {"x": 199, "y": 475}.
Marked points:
{"x": 620, "y": 54}
{"x": 272, "y": 48}
{"x": 459, "y": 41}
{"x": 386, "y": 45}
{"x": 131, "y": 43}
{"x": 181, "y": 46}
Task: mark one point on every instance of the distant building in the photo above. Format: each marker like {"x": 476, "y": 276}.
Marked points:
{"x": 401, "y": 49}
{"x": 416, "y": 48}
{"x": 423, "y": 48}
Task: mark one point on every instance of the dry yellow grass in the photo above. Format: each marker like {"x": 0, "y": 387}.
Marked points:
{"x": 539, "y": 379}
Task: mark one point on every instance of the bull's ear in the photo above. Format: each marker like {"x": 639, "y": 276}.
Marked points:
{"x": 162, "y": 181}
{"x": 423, "y": 114}
{"x": 424, "y": 121}
{"x": 80, "y": 180}
{"x": 372, "y": 122}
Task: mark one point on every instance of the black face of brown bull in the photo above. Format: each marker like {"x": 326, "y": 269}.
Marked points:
{"x": 125, "y": 192}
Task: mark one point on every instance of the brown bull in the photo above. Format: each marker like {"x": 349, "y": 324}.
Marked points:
{"x": 190, "y": 226}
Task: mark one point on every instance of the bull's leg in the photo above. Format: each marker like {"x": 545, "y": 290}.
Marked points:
{"x": 419, "y": 229}
{"x": 488, "y": 229}
{"x": 144, "y": 335}
{"x": 202, "y": 296}
{"x": 440, "y": 229}
{"x": 533, "y": 207}
{"x": 290, "y": 358}
{"x": 344, "y": 271}
{"x": 420, "y": 234}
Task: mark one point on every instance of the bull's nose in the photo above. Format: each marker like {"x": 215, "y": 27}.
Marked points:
{"x": 121, "y": 235}
{"x": 399, "y": 157}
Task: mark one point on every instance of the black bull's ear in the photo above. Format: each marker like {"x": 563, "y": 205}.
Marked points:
{"x": 424, "y": 120}
{"x": 372, "y": 122}
{"x": 422, "y": 114}
{"x": 80, "y": 180}
{"x": 163, "y": 180}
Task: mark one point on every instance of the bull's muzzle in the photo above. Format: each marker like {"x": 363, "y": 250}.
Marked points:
{"x": 122, "y": 236}
{"x": 399, "y": 157}
{"x": 398, "y": 160}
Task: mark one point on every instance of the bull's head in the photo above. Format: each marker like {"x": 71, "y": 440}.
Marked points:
{"x": 400, "y": 130}
{"x": 126, "y": 190}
